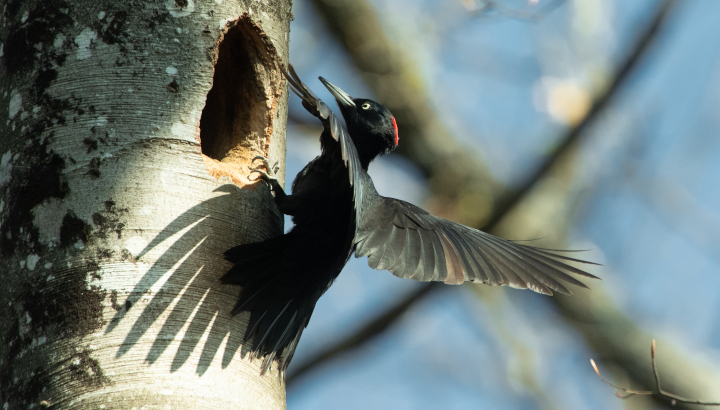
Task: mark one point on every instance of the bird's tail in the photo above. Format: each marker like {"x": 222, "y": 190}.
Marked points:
{"x": 276, "y": 319}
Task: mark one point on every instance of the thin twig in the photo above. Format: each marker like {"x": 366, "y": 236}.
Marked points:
{"x": 629, "y": 392}
{"x": 393, "y": 314}
{"x": 674, "y": 398}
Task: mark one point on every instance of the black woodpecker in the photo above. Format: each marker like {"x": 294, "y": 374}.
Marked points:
{"x": 336, "y": 211}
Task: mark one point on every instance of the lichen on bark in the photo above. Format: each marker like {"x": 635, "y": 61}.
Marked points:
{"x": 100, "y": 155}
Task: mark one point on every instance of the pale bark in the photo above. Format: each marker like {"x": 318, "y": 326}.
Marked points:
{"x": 113, "y": 221}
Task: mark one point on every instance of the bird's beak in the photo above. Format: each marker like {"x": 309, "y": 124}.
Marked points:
{"x": 343, "y": 99}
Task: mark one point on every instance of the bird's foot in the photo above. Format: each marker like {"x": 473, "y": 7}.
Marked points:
{"x": 268, "y": 175}
{"x": 266, "y": 162}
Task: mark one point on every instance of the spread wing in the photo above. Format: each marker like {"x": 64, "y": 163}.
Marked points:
{"x": 411, "y": 243}
{"x": 330, "y": 121}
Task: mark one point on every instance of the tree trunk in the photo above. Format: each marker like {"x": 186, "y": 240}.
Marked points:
{"x": 114, "y": 217}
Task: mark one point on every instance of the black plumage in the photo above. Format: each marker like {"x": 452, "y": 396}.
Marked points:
{"x": 337, "y": 211}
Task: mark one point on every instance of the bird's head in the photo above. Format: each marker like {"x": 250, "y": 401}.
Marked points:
{"x": 371, "y": 126}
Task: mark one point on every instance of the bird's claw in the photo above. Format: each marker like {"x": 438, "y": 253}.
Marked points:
{"x": 268, "y": 175}
{"x": 266, "y": 162}
{"x": 263, "y": 175}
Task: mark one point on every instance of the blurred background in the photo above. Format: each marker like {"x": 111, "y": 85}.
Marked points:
{"x": 581, "y": 124}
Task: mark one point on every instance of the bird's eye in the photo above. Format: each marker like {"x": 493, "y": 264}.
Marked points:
{"x": 366, "y": 106}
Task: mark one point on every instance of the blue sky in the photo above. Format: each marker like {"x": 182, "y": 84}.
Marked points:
{"x": 650, "y": 209}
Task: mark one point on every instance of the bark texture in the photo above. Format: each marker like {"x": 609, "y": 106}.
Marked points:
{"x": 120, "y": 188}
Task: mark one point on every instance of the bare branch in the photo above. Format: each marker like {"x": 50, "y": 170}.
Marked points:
{"x": 674, "y": 398}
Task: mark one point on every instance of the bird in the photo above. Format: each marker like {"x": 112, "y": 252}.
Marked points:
{"x": 337, "y": 212}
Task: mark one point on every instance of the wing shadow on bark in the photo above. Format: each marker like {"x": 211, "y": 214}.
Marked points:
{"x": 201, "y": 299}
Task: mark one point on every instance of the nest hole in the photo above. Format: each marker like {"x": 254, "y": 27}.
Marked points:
{"x": 236, "y": 123}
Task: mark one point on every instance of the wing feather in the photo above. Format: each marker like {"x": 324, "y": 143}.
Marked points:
{"x": 414, "y": 244}
{"x": 545, "y": 264}
{"x": 412, "y": 252}
{"x": 331, "y": 122}
{"x": 440, "y": 270}
{"x": 495, "y": 278}
{"x": 475, "y": 270}
{"x": 427, "y": 253}
{"x": 538, "y": 271}
{"x": 401, "y": 244}
{"x": 391, "y": 252}
{"x": 512, "y": 279}
{"x": 454, "y": 267}
{"x": 464, "y": 267}
{"x": 411, "y": 243}
{"x": 377, "y": 252}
